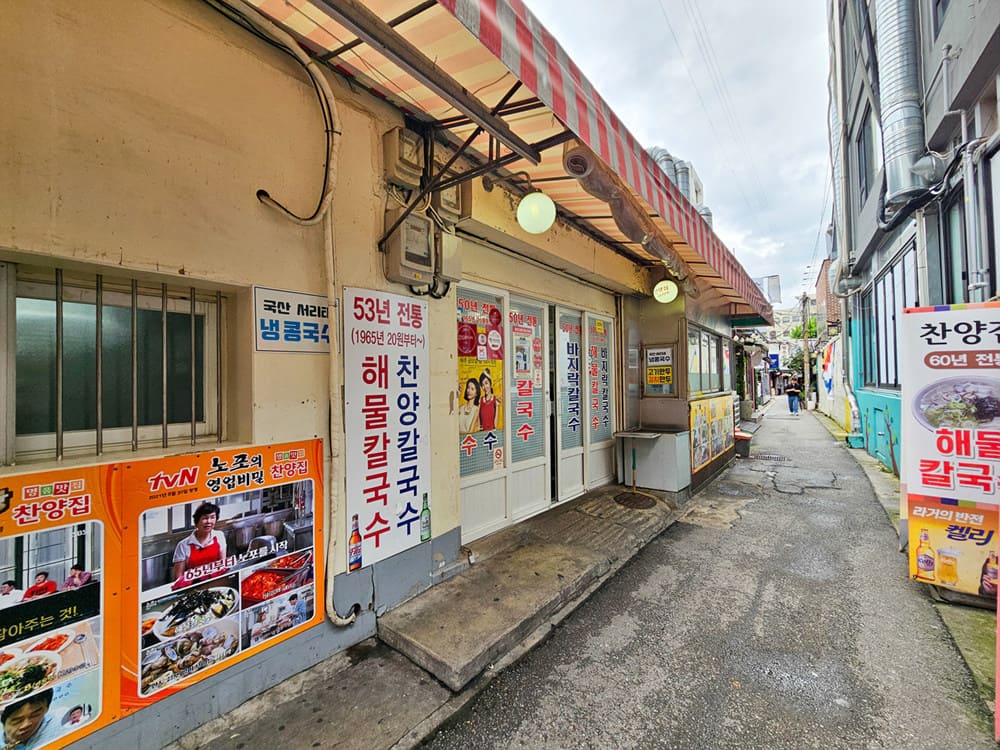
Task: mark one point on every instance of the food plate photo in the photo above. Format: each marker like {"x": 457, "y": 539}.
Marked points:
{"x": 28, "y": 674}
{"x": 968, "y": 402}
{"x": 193, "y": 610}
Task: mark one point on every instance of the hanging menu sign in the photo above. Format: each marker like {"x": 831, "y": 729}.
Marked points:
{"x": 387, "y": 420}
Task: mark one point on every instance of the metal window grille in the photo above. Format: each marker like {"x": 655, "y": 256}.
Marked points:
{"x": 101, "y": 363}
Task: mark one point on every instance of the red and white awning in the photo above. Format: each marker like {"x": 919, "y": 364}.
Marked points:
{"x": 486, "y": 46}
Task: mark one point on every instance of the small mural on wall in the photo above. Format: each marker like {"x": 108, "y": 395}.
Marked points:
{"x": 712, "y": 429}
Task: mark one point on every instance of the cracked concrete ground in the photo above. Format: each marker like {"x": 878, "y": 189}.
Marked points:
{"x": 371, "y": 697}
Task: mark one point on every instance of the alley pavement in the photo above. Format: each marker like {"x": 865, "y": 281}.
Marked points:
{"x": 772, "y": 610}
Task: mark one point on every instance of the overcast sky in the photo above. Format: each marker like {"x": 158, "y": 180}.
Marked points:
{"x": 742, "y": 97}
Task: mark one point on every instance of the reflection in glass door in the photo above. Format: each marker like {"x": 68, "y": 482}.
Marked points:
{"x": 599, "y": 401}
{"x": 569, "y": 404}
{"x": 528, "y": 396}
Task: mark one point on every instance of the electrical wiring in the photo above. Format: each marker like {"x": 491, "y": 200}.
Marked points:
{"x": 887, "y": 224}
{"x": 711, "y": 122}
{"x": 236, "y": 15}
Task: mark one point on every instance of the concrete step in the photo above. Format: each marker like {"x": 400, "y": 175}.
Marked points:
{"x": 458, "y": 628}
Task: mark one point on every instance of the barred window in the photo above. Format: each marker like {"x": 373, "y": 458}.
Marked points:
{"x": 103, "y": 364}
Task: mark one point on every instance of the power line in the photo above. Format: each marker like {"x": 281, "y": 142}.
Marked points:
{"x": 666, "y": 17}
{"x": 704, "y": 40}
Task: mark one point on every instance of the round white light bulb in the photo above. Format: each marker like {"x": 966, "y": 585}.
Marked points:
{"x": 536, "y": 213}
{"x": 665, "y": 291}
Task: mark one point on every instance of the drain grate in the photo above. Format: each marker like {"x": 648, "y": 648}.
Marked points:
{"x": 635, "y": 501}
{"x": 769, "y": 457}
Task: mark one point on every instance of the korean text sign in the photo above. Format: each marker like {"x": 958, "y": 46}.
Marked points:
{"x": 659, "y": 378}
{"x": 224, "y": 552}
{"x": 951, "y": 402}
{"x": 387, "y": 419}
{"x": 481, "y": 387}
{"x": 126, "y": 609}
{"x": 290, "y": 321}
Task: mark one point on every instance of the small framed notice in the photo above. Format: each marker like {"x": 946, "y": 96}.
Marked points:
{"x": 659, "y": 376}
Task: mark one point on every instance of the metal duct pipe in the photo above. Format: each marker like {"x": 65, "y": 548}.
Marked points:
{"x": 667, "y": 162}
{"x": 684, "y": 178}
{"x": 899, "y": 94}
{"x": 706, "y": 214}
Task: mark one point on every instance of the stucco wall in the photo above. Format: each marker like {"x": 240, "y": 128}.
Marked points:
{"x": 138, "y": 144}
{"x": 141, "y": 134}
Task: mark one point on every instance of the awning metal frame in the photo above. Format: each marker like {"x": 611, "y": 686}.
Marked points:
{"x": 368, "y": 27}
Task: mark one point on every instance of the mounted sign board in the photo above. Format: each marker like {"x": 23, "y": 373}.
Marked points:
{"x": 290, "y": 321}
{"x": 659, "y": 376}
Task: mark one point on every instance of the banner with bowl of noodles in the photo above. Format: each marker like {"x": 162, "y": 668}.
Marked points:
{"x": 950, "y": 415}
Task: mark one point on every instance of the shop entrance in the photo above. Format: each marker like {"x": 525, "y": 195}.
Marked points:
{"x": 583, "y": 408}
{"x": 536, "y": 395}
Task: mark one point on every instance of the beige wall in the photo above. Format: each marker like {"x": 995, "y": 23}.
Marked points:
{"x": 140, "y": 135}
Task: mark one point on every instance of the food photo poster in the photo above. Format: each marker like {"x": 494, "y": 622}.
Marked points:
{"x": 126, "y": 582}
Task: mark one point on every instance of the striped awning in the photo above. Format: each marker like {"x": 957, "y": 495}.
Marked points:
{"x": 487, "y": 46}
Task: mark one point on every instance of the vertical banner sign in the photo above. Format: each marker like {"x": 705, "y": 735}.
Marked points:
{"x": 951, "y": 438}
{"x": 222, "y": 559}
{"x": 599, "y": 377}
{"x": 659, "y": 379}
{"x": 60, "y": 556}
{"x": 480, "y": 382}
{"x": 387, "y": 419}
{"x": 569, "y": 375}
{"x": 526, "y": 392}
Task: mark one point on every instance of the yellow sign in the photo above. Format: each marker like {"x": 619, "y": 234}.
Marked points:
{"x": 953, "y": 545}
{"x": 659, "y": 375}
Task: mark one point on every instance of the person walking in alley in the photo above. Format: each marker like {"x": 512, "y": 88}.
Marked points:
{"x": 792, "y": 391}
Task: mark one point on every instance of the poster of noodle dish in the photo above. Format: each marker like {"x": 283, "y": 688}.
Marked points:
{"x": 951, "y": 401}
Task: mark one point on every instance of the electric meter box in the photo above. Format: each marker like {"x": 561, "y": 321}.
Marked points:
{"x": 403, "y": 155}
{"x": 409, "y": 251}
{"x": 453, "y": 204}
{"x": 449, "y": 260}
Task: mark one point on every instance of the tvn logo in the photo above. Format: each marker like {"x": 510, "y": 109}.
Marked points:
{"x": 184, "y": 478}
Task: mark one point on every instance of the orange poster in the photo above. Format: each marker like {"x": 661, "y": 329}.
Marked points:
{"x": 59, "y": 554}
{"x": 123, "y": 583}
{"x": 223, "y": 551}
{"x": 953, "y": 544}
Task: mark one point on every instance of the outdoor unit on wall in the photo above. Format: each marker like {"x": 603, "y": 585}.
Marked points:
{"x": 403, "y": 156}
{"x": 409, "y": 251}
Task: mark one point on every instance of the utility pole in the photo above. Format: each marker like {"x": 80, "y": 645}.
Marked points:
{"x": 806, "y": 359}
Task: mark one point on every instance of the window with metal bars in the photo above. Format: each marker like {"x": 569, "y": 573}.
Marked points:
{"x": 98, "y": 364}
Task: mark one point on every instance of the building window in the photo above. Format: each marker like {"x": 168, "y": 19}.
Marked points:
{"x": 881, "y": 315}
{"x": 953, "y": 247}
{"x": 867, "y": 323}
{"x": 709, "y": 367}
{"x": 940, "y": 8}
{"x": 141, "y": 398}
{"x": 865, "y": 152}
